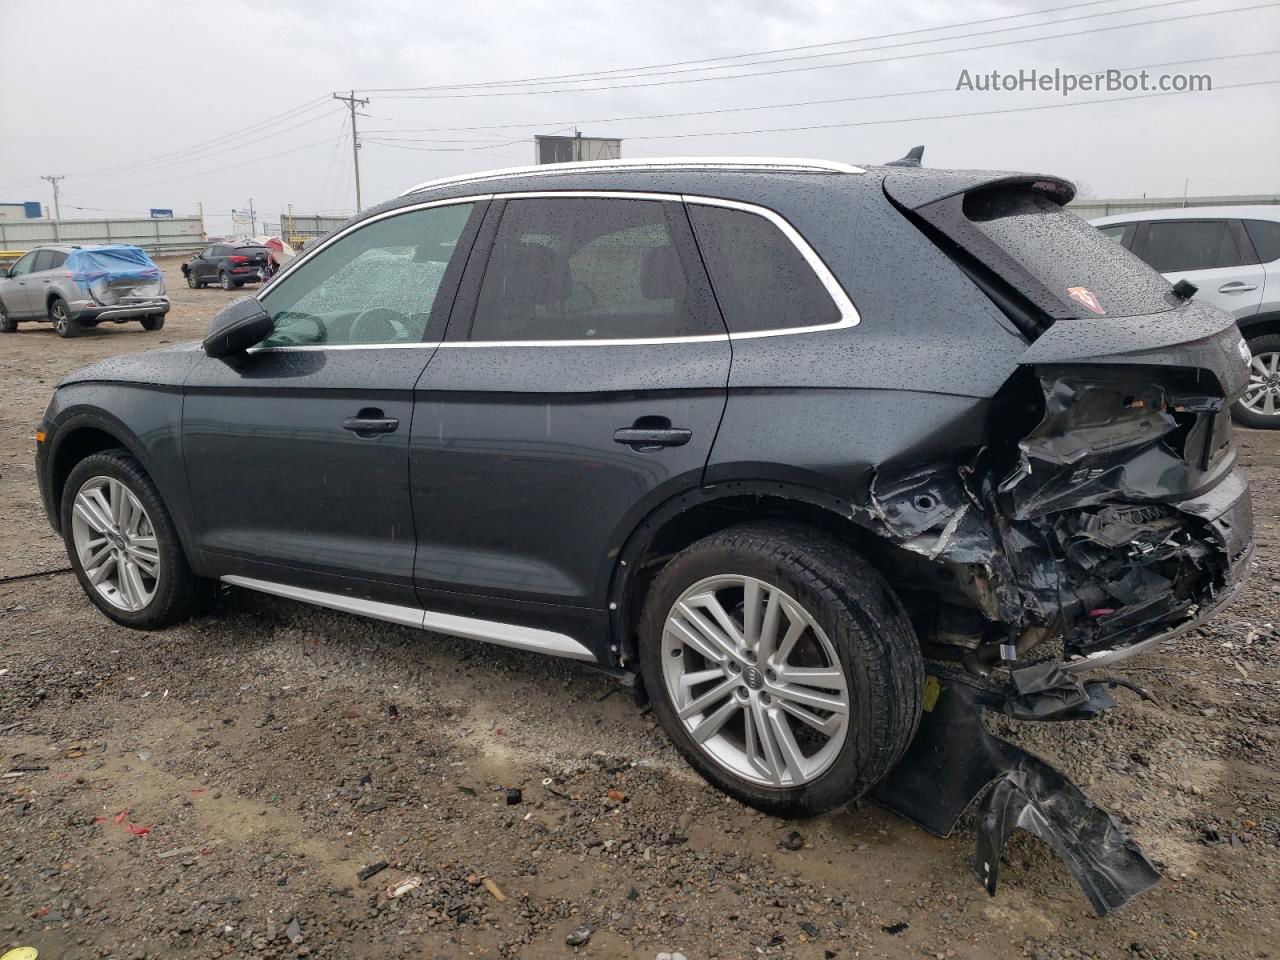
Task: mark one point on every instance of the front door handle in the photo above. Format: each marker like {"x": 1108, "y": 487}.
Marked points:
{"x": 370, "y": 422}
{"x": 651, "y": 438}
{"x": 1237, "y": 286}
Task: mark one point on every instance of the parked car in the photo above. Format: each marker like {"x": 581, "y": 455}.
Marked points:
{"x": 759, "y": 436}
{"x": 76, "y": 287}
{"x": 1233, "y": 255}
{"x": 229, "y": 265}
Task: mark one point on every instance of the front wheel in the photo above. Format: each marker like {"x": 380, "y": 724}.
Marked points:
{"x": 123, "y": 546}
{"x": 192, "y": 281}
{"x": 7, "y": 323}
{"x": 1260, "y": 405}
{"x": 225, "y": 281}
{"x": 782, "y": 666}
{"x": 63, "y": 323}
{"x": 152, "y": 323}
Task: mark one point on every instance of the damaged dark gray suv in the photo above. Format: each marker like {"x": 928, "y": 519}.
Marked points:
{"x": 803, "y": 451}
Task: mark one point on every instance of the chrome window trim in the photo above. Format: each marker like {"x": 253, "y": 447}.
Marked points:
{"x": 470, "y": 628}
{"x": 741, "y": 164}
{"x": 849, "y": 316}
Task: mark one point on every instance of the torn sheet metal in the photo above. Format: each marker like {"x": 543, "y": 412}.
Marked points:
{"x": 953, "y": 761}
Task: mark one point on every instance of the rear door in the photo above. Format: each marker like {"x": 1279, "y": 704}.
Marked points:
{"x": 1214, "y": 254}
{"x": 297, "y": 454}
{"x": 582, "y": 383}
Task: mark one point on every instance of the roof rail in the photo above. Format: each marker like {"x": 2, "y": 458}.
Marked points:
{"x": 774, "y": 164}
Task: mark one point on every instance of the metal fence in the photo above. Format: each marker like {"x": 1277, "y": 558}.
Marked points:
{"x": 158, "y": 237}
{"x": 298, "y": 228}
{"x": 1090, "y": 208}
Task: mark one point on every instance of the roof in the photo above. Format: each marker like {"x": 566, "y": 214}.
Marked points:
{"x": 1261, "y": 211}
{"x": 648, "y": 164}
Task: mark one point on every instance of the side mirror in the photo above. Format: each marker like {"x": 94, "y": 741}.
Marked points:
{"x": 237, "y": 327}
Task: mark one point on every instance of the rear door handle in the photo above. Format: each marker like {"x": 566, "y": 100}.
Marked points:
{"x": 647, "y": 438}
{"x": 370, "y": 422}
{"x": 1237, "y": 286}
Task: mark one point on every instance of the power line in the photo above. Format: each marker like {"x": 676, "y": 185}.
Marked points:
{"x": 853, "y": 63}
{"x": 766, "y": 106}
{"x": 949, "y": 116}
{"x": 230, "y": 166}
{"x": 202, "y": 156}
{"x": 918, "y": 119}
{"x": 237, "y": 134}
{"x": 584, "y": 76}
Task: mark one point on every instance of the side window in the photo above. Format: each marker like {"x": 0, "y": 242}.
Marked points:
{"x": 59, "y": 258}
{"x": 208, "y": 253}
{"x": 1114, "y": 232}
{"x": 761, "y": 279}
{"x": 585, "y": 268}
{"x": 375, "y": 285}
{"x": 1265, "y": 235}
{"x": 23, "y": 266}
{"x": 44, "y": 261}
{"x": 1174, "y": 245}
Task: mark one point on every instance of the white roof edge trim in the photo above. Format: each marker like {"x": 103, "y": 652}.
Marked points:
{"x": 781, "y": 164}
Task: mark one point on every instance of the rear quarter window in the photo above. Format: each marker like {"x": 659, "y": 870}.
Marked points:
{"x": 760, "y": 278}
{"x": 1265, "y": 235}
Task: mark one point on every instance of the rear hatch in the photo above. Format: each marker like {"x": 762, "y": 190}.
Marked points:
{"x": 115, "y": 275}
{"x": 1112, "y": 446}
{"x": 254, "y": 258}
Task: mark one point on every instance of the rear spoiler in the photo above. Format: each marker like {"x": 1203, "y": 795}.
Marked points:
{"x": 913, "y": 189}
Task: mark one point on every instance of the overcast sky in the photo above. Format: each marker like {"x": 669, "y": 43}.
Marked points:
{"x": 161, "y": 104}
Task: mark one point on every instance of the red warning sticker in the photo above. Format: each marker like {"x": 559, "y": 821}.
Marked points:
{"x": 1086, "y": 298}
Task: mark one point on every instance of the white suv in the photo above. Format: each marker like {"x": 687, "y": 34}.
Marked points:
{"x": 1233, "y": 255}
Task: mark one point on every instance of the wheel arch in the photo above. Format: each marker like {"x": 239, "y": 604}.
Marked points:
{"x": 82, "y": 434}
{"x": 1261, "y": 325}
{"x": 686, "y": 518}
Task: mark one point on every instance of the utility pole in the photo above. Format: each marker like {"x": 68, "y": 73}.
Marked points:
{"x": 57, "y": 210}
{"x": 351, "y": 100}
{"x": 253, "y": 219}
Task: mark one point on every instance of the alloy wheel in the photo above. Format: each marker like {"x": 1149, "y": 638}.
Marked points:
{"x": 116, "y": 543}
{"x": 1262, "y": 395}
{"x": 755, "y": 681}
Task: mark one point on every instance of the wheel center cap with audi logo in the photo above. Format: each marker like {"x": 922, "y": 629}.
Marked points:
{"x": 753, "y": 677}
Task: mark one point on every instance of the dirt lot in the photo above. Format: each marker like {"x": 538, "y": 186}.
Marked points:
{"x": 219, "y": 789}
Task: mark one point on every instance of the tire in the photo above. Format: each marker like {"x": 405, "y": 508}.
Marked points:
{"x": 192, "y": 282}
{"x": 1264, "y": 386}
{"x": 861, "y": 626}
{"x": 153, "y": 323}
{"x": 7, "y": 323}
{"x": 175, "y": 592}
{"x": 225, "y": 281}
{"x": 64, "y": 324}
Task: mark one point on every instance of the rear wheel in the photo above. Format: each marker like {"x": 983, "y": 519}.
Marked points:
{"x": 224, "y": 280}
{"x": 782, "y": 667}
{"x": 60, "y": 315}
{"x": 152, "y": 323}
{"x": 1260, "y": 405}
{"x": 123, "y": 546}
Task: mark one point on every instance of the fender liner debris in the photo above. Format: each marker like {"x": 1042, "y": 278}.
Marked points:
{"x": 953, "y": 762}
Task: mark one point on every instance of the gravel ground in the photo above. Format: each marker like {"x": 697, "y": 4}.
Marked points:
{"x": 259, "y": 782}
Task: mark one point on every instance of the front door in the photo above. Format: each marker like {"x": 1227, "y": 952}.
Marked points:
{"x": 581, "y": 384}
{"x": 17, "y": 288}
{"x": 297, "y": 453}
